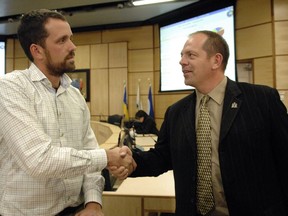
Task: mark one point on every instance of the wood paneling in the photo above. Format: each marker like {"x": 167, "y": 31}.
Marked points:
{"x": 82, "y": 57}
{"x": 164, "y": 101}
{"x": 281, "y": 72}
{"x": 157, "y": 59}
{"x": 19, "y": 52}
{"x": 85, "y": 38}
{"x": 117, "y": 76}
{"x": 122, "y": 206}
{"x": 284, "y": 97}
{"x": 156, "y": 36}
{"x": 10, "y": 48}
{"x": 21, "y": 63}
{"x": 140, "y": 60}
{"x": 263, "y": 71}
{"x": 254, "y": 42}
{"x": 117, "y": 55}
{"x": 281, "y": 37}
{"x": 9, "y": 65}
{"x": 159, "y": 204}
{"x": 251, "y": 13}
{"x": 138, "y": 37}
{"x": 99, "y": 92}
{"x": 280, "y": 9}
{"x": 156, "y": 82}
{"x": 145, "y": 79}
{"x": 99, "y": 56}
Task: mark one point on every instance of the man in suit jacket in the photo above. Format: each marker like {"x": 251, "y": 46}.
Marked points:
{"x": 249, "y": 129}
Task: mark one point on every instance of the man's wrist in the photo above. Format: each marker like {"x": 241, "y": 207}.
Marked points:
{"x": 93, "y": 205}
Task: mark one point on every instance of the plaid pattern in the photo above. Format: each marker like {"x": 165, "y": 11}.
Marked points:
{"x": 48, "y": 152}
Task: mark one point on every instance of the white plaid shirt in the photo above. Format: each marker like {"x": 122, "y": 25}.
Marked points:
{"x": 48, "y": 155}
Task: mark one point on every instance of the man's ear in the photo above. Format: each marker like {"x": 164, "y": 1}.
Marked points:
{"x": 36, "y": 51}
{"x": 217, "y": 61}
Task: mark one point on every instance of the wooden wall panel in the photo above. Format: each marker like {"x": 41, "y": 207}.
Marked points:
{"x": 140, "y": 60}
{"x": 145, "y": 78}
{"x": 263, "y": 71}
{"x": 138, "y": 37}
{"x": 99, "y": 92}
{"x": 251, "y": 13}
{"x": 122, "y": 206}
{"x": 164, "y": 101}
{"x": 82, "y": 57}
{"x": 281, "y": 37}
{"x": 157, "y": 59}
{"x": 156, "y": 82}
{"x": 85, "y": 38}
{"x": 117, "y": 76}
{"x": 280, "y": 9}
{"x": 117, "y": 55}
{"x": 160, "y": 205}
{"x": 281, "y": 72}
{"x": 19, "y": 52}
{"x": 254, "y": 42}
{"x": 9, "y": 67}
{"x": 156, "y": 36}
{"x": 10, "y": 48}
{"x": 99, "y": 56}
{"x": 284, "y": 96}
{"x": 21, "y": 63}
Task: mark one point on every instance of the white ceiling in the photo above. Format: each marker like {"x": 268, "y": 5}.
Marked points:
{"x": 97, "y": 12}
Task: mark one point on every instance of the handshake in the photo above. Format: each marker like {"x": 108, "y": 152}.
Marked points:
{"x": 120, "y": 162}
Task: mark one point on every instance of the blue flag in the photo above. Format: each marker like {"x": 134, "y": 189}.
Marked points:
{"x": 150, "y": 110}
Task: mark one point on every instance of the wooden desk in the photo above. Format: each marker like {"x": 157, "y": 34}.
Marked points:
{"x": 139, "y": 196}
{"x": 105, "y": 131}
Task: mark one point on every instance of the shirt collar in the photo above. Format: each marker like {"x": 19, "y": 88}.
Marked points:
{"x": 38, "y": 76}
{"x": 217, "y": 94}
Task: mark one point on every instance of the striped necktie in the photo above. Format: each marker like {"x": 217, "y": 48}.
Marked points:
{"x": 204, "y": 193}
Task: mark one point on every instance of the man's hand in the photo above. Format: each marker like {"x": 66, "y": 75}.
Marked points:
{"x": 120, "y": 162}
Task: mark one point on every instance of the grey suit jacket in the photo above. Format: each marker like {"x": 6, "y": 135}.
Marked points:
{"x": 253, "y": 152}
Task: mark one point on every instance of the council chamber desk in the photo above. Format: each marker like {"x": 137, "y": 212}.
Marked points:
{"x": 135, "y": 196}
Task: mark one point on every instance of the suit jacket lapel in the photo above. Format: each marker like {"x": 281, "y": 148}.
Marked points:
{"x": 231, "y": 107}
{"x": 188, "y": 118}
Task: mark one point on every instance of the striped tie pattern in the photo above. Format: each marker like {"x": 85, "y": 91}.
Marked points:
{"x": 204, "y": 193}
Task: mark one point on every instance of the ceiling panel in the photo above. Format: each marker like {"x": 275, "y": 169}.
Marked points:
{"x": 97, "y": 12}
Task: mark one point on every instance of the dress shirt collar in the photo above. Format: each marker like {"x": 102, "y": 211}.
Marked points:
{"x": 37, "y": 75}
{"x": 217, "y": 94}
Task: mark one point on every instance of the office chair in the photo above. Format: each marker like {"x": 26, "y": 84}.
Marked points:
{"x": 115, "y": 120}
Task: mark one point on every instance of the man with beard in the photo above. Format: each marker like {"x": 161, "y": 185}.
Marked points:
{"x": 50, "y": 162}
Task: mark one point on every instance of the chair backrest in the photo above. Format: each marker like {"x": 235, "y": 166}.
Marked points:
{"x": 115, "y": 119}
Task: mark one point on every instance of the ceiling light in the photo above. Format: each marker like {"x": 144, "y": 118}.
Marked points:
{"x": 145, "y": 2}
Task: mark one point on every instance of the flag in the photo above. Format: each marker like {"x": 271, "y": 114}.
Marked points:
{"x": 150, "y": 110}
{"x": 125, "y": 104}
{"x": 138, "y": 98}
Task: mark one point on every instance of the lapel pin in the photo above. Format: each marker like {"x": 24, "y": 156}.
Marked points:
{"x": 234, "y": 105}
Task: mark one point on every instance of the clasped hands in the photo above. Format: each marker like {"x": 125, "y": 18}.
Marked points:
{"x": 120, "y": 162}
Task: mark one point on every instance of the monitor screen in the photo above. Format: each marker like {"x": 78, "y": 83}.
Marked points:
{"x": 2, "y": 58}
{"x": 173, "y": 37}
